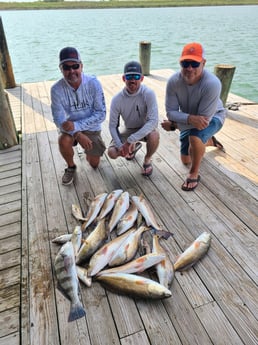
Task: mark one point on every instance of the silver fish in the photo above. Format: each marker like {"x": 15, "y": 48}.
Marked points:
{"x": 134, "y": 285}
{"x": 128, "y": 248}
{"x": 76, "y": 239}
{"x": 128, "y": 219}
{"x": 145, "y": 209}
{"x": 77, "y": 213}
{"x": 92, "y": 242}
{"x": 193, "y": 253}
{"x": 94, "y": 209}
{"x": 67, "y": 280}
{"x": 82, "y": 274}
{"x": 62, "y": 239}
{"x": 138, "y": 265}
{"x": 101, "y": 258}
{"x": 119, "y": 210}
{"x": 165, "y": 269}
{"x": 109, "y": 202}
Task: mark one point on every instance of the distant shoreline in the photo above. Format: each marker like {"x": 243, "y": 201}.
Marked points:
{"x": 48, "y": 5}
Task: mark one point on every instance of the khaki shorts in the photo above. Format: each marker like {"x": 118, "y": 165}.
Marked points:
{"x": 99, "y": 146}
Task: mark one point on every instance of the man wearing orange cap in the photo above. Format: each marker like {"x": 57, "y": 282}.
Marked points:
{"x": 193, "y": 106}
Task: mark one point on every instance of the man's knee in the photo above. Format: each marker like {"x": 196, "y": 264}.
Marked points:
{"x": 112, "y": 152}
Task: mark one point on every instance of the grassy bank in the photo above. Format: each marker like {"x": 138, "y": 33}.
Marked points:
{"x": 42, "y": 5}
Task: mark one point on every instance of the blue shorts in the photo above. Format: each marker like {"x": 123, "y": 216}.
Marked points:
{"x": 204, "y": 134}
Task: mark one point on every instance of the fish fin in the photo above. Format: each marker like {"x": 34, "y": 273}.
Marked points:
{"x": 162, "y": 233}
{"x": 76, "y": 312}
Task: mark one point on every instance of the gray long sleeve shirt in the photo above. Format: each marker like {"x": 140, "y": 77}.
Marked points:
{"x": 138, "y": 111}
{"x": 84, "y": 106}
{"x": 202, "y": 98}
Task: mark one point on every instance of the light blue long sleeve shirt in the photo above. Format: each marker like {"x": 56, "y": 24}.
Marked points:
{"x": 84, "y": 106}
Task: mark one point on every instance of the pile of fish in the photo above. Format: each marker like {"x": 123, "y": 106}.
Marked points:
{"x": 107, "y": 247}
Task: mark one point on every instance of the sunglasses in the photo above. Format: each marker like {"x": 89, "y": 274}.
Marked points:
{"x": 133, "y": 76}
{"x": 193, "y": 64}
{"x": 70, "y": 67}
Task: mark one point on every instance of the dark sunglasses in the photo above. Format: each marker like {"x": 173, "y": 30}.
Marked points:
{"x": 70, "y": 67}
{"x": 133, "y": 76}
{"x": 193, "y": 64}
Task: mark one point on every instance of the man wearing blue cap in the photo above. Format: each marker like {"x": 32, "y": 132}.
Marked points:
{"x": 78, "y": 108}
{"x": 137, "y": 106}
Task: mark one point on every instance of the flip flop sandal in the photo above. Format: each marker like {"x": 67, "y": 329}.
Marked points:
{"x": 147, "y": 169}
{"x": 190, "y": 180}
{"x": 217, "y": 144}
{"x": 138, "y": 145}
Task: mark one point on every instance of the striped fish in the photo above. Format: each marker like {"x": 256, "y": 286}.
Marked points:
{"x": 67, "y": 280}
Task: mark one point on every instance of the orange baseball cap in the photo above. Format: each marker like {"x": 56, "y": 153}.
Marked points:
{"x": 192, "y": 51}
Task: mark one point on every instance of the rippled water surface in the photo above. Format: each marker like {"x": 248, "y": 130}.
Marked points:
{"x": 107, "y": 39}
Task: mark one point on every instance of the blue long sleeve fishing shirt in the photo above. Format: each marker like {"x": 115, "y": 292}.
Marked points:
{"x": 84, "y": 106}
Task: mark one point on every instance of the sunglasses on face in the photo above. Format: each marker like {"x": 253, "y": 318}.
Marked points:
{"x": 70, "y": 67}
{"x": 193, "y": 64}
{"x": 133, "y": 76}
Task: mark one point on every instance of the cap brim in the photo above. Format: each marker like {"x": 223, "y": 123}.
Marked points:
{"x": 70, "y": 59}
{"x": 132, "y": 73}
{"x": 191, "y": 57}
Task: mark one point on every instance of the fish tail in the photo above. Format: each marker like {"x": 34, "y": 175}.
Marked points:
{"x": 76, "y": 312}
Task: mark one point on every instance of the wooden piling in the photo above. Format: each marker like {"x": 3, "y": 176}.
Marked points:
{"x": 225, "y": 73}
{"x": 144, "y": 55}
{"x": 6, "y": 70}
{"x": 8, "y": 136}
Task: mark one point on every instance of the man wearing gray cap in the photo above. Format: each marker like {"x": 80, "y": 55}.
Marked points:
{"x": 78, "y": 109}
{"x": 137, "y": 106}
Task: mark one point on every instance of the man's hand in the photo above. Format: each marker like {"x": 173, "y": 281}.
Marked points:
{"x": 83, "y": 140}
{"x": 168, "y": 125}
{"x": 198, "y": 121}
{"x": 68, "y": 126}
{"x": 126, "y": 149}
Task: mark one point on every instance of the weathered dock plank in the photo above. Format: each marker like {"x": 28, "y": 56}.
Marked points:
{"x": 213, "y": 303}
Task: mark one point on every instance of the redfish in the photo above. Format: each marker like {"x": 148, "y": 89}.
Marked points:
{"x": 94, "y": 209}
{"x": 92, "y": 242}
{"x": 109, "y": 203}
{"x": 165, "y": 269}
{"x": 119, "y": 210}
{"x": 145, "y": 209}
{"x": 102, "y": 256}
{"x": 128, "y": 219}
{"x": 138, "y": 265}
{"x": 133, "y": 285}
{"x": 193, "y": 253}
{"x": 128, "y": 248}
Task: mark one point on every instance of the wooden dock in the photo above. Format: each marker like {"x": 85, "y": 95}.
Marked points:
{"x": 216, "y": 302}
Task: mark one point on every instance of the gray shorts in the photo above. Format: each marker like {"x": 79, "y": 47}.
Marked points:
{"x": 126, "y": 133}
{"x": 99, "y": 146}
